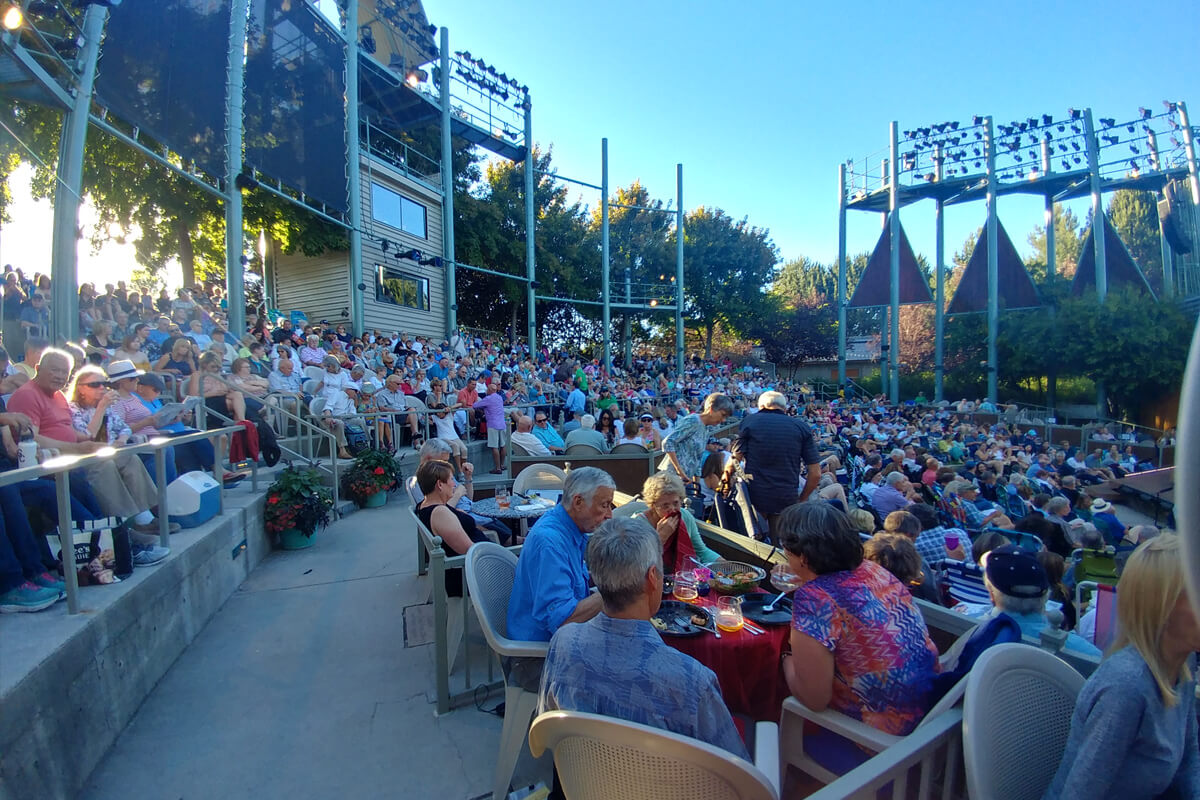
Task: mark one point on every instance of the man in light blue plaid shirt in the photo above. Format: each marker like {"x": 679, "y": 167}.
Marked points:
{"x": 931, "y": 541}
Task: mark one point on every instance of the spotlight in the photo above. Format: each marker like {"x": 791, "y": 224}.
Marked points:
{"x": 245, "y": 182}
{"x": 416, "y": 76}
{"x": 1108, "y": 122}
{"x": 653, "y": 303}
{"x": 384, "y": 244}
{"x": 976, "y": 120}
{"x": 13, "y": 18}
{"x": 1047, "y": 119}
{"x": 1074, "y": 113}
{"x": 413, "y": 255}
{"x": 1066, "y": 164}
{"x": 1145, "y": 112}
{"x": 1129, "y": 128}
{"x": 929, "y": 176}
{"x": 366, "y": 40}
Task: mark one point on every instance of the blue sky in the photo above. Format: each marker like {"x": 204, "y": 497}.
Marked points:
{"x": 761, "y": 100}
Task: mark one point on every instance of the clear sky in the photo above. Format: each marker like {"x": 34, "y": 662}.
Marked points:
{"x": 761, "y": 100}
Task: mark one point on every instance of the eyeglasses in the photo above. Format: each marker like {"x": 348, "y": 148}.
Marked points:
{"x": 92, "y": 385}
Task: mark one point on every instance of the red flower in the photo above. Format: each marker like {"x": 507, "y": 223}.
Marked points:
{"x": 273, "y": 500}
{"x": 379, "y": 470}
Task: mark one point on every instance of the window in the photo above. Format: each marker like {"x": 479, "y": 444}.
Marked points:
{"x": 401, "y": 289}
{"x": 394, "y": 209}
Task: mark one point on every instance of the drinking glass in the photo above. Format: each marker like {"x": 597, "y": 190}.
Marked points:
{"x": 685, "y": 585}
{"x": 952, "y": 541}
{"x": 502, "y": 499}
{"x": 729, "y": 613}
{"x": 783, "y": 578}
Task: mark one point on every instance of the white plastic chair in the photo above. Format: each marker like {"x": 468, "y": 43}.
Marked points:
{"x": 490, "y": 571}
{"x": 315, "y": 373}
{"x": 601, "y": 758}
{"x": 539, "y": 476}
{"x": 1016, "y": 719}
{"x": 630, "y": 508}
{"x": 309, "y": 387}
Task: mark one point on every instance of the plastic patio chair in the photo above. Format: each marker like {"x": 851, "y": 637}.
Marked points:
{"x": 539, "y": 476}
{"x": 583, "y": 450}
{"x": 628, "y": 447}
{"x": 601, "y": 758}
{"x": 1016, "y": 718}
{"x": 316, "y": 373}
{"x": 630, "y": 508}
{"x": 490, "y": 570}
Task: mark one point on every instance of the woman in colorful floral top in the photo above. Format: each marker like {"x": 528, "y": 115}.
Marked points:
{"x": 860, "y": 645}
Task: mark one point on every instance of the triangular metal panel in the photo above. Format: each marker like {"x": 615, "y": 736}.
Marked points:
{"x": 1121, "y": 269}
{"x": 1016, "y": 288}
{"x": 874, "y": 287}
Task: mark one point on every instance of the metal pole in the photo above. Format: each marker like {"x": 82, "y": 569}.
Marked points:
{"x": 939, "y": 310}
{"x": 606, "y": 322}
{"x": 64, "y": 253}
{"x": 841, "y": 286}
{"x": 894, "y": 236}
{"x": 530, "y": 230}
{"x": 448, "y": 187}
{"x": 1189, "y": 147}
{"x": 885, "y": 335}
{"x": 1051, "y": 271}
{"x": 66, "y": 538}
{"x": 993, "y": 271}
{"x": 679, "y": 270}
{"x": 1099, "y": 226}
{"x": 354, "y": 171}
{"x": 627, "y": 329}
{"x": 235, "y": 281}
{"x": 1168, "y": 266}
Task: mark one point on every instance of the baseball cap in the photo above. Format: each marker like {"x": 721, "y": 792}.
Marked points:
{"x": 150, "y": 379}
{"x": 1015, "y": 572}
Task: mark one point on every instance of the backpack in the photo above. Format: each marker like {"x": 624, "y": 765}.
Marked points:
{"x": 356, "y": 438}
{"x": 1000, "y": 629}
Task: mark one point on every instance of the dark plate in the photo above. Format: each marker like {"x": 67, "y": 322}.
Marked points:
{"x": 752, "y": 609}
{"x": 670, "y": 609}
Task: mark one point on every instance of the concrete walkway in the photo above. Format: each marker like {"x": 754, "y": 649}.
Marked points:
{"x": 302, "y": 687}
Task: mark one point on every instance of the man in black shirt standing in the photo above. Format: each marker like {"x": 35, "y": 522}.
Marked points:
{"x": 774, "y": 447}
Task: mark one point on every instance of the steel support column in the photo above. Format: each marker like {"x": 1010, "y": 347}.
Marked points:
{"x": 1051, "y": 271}
{"x": 68, "y": 189}
{"x": 894, "y": 236}
{"x": 993, "y": 267}
{"x": 1098, "y": 231}
{"x": 939, "y": 309}
{"x": 606, "y": 323}
{"x": 1168, "y": 266}
{"x": 841, "y": 285}
{"x": 235, "y": 256}
{"x": 1189, "y": 148}
{"x": 447, "y": 168}
{"x": 530, "y": 230}
{"x": 679, "y": 269}
{"x": 353, "y": 170}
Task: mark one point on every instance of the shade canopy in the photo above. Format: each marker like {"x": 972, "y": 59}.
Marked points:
{"x": 1014, "y": 286}
{"x": 1121, "y": 269}
{"x": 874, "y": 287}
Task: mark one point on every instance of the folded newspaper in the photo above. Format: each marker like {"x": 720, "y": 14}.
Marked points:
{"x": 171, "y": 412}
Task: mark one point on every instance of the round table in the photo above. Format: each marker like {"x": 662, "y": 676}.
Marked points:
{"x": 746, "y": 664}
{"x": 488, "y": 507}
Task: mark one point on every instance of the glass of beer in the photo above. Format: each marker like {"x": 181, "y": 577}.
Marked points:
{"x": 685, "y": 586}
{"x": 502, "y": 499}
{"x": 729, "y": 614}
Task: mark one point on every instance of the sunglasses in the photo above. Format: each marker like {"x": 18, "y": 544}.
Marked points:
{"x": 93, "y": 385}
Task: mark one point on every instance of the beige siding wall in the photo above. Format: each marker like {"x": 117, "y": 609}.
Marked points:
{"x": 386, "y": 316}
{"x": 320, "y": 287}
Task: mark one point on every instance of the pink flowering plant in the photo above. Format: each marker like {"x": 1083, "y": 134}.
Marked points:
{"x": 298, "y": 499}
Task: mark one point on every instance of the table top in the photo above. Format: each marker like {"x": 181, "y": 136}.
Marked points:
{"x": 488, "y": 507}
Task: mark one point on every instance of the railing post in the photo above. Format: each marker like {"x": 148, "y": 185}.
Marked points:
{"x": 66, "y": 539}
{"x": 160, "y": 482}
{"x": 437, "y": 560}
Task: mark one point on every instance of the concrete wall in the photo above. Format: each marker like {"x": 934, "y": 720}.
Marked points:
{"x": 64, "y": 714}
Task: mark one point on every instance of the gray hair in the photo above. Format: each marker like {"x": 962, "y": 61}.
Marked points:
{"x": 772, "y": 400}
{"x": 895, "y": 477}
{"x": 434, "y": 448}
{"x": 587, "y": 422}
{"x": 619, "y": 554}
{"x": 719, "y": 402}
{"x": 330, "y": 361}
{"x": 1057, "y": 504}
{"x": 1017, "y": 605}
{"x": 583, "y": 482}
{"x": 1144, "y": 533}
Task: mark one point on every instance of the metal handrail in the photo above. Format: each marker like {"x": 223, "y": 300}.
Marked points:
{"x": 59, "y": 468}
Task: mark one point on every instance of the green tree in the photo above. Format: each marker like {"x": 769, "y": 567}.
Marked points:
{"x": 1068, "y": 244}
{"x": 727, "y": 266}
{"x": 1134, "y": 215}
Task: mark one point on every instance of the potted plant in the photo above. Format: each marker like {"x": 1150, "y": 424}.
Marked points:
{"x": 297, "y": 504}
{"x": 373, "y": 474}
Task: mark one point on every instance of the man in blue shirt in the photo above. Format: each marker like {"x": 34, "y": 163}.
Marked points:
{"x": 546, "y": 434}
{"x": 550, "y": 588}
{"x": 576, "y": 401}
{"x": 616, "y": 663}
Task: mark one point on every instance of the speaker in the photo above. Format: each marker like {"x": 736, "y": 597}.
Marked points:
{"x": 1172, "y": 227}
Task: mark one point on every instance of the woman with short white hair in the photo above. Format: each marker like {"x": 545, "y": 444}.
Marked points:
{"x": 1133, "y": 733}
{"x": 681, "y": 542}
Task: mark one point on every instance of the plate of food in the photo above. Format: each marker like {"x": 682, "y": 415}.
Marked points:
{"x": 734, "y": 577}
{"x": 677, "y": 618}
{"x": 752, "y": 609}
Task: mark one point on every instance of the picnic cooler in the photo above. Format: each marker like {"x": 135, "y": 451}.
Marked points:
{"x": 193, "y": 499}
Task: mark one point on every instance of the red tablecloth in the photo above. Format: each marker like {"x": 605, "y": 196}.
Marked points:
{"x": 747, "y": 666}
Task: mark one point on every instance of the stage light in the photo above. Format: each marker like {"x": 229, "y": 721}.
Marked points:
{"x": 1107, "y": 122}
{"x": 1134, "y": 149}
{"x": 1145, "y": 112}
{"x": 653, "y": 303}
{"x": 413, "y": 255}
{"x": 1047, "y": 119}
{"x": 1062, "y": 128}
{"x": 1078, "y": 160}
{"x": 1170, "y": 106}
{"x": 415, "y": 76}
{"x": 384, "y": 244}
{"x": 13, "y": 18}
{"x": 1074, "y": 113}
{"x": 1076, "y": 146}
{"x": 929, "y": 176}
{"x": 976, "y": 120}
{"x": 245, "y": 182}
{"x": 1129, "y": 128}
{"x": 1066, "y": 164}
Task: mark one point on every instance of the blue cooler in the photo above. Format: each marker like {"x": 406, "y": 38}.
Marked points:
{"x": 193, "y": 499}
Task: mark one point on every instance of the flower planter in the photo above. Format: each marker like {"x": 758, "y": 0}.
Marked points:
{"x": 293, "y": 539}
{"x": 376, "y": 500}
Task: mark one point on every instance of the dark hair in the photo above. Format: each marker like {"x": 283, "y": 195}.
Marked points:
{"x": 714, "y": 464}
{"x": 986, "y": 542}
{"x": 897, "y": 554}
{"x": 925, "y": 514}
{"x": 1040, "y": 499}
{"x": 431, "y": 473}
{"x": 823, "y": 535}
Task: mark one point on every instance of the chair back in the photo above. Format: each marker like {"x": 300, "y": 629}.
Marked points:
{"x": 315, "y": 373}
{"x": 630, "y": 508}
{"x": 628, "y": 447}
{"x": 310, "y": 386}
{"x": 600, "y": 758}
{"x": 490, "y": 571}
{"x": 415, "y": 403}
{"x": 1026, "y": 541}
{"x": 1105, "y": 599}
{"x": 539, "y": 476}
{"x": 1016, "y": 718}
{"x": 1097, "y": 565}
{"x": 316, "y": 406}
{"x": 966, "y": 582}
{"x": 583, "y": 450}
{"x": 517, "y": 450}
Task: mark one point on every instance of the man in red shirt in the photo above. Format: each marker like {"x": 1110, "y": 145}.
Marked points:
{"x": 121, "y": 484}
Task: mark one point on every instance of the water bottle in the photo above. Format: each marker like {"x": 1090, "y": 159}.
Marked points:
{"x": 27, "y": 451}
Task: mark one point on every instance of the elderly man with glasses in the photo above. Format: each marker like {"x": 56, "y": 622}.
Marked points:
{"x": 546, "y": 434}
